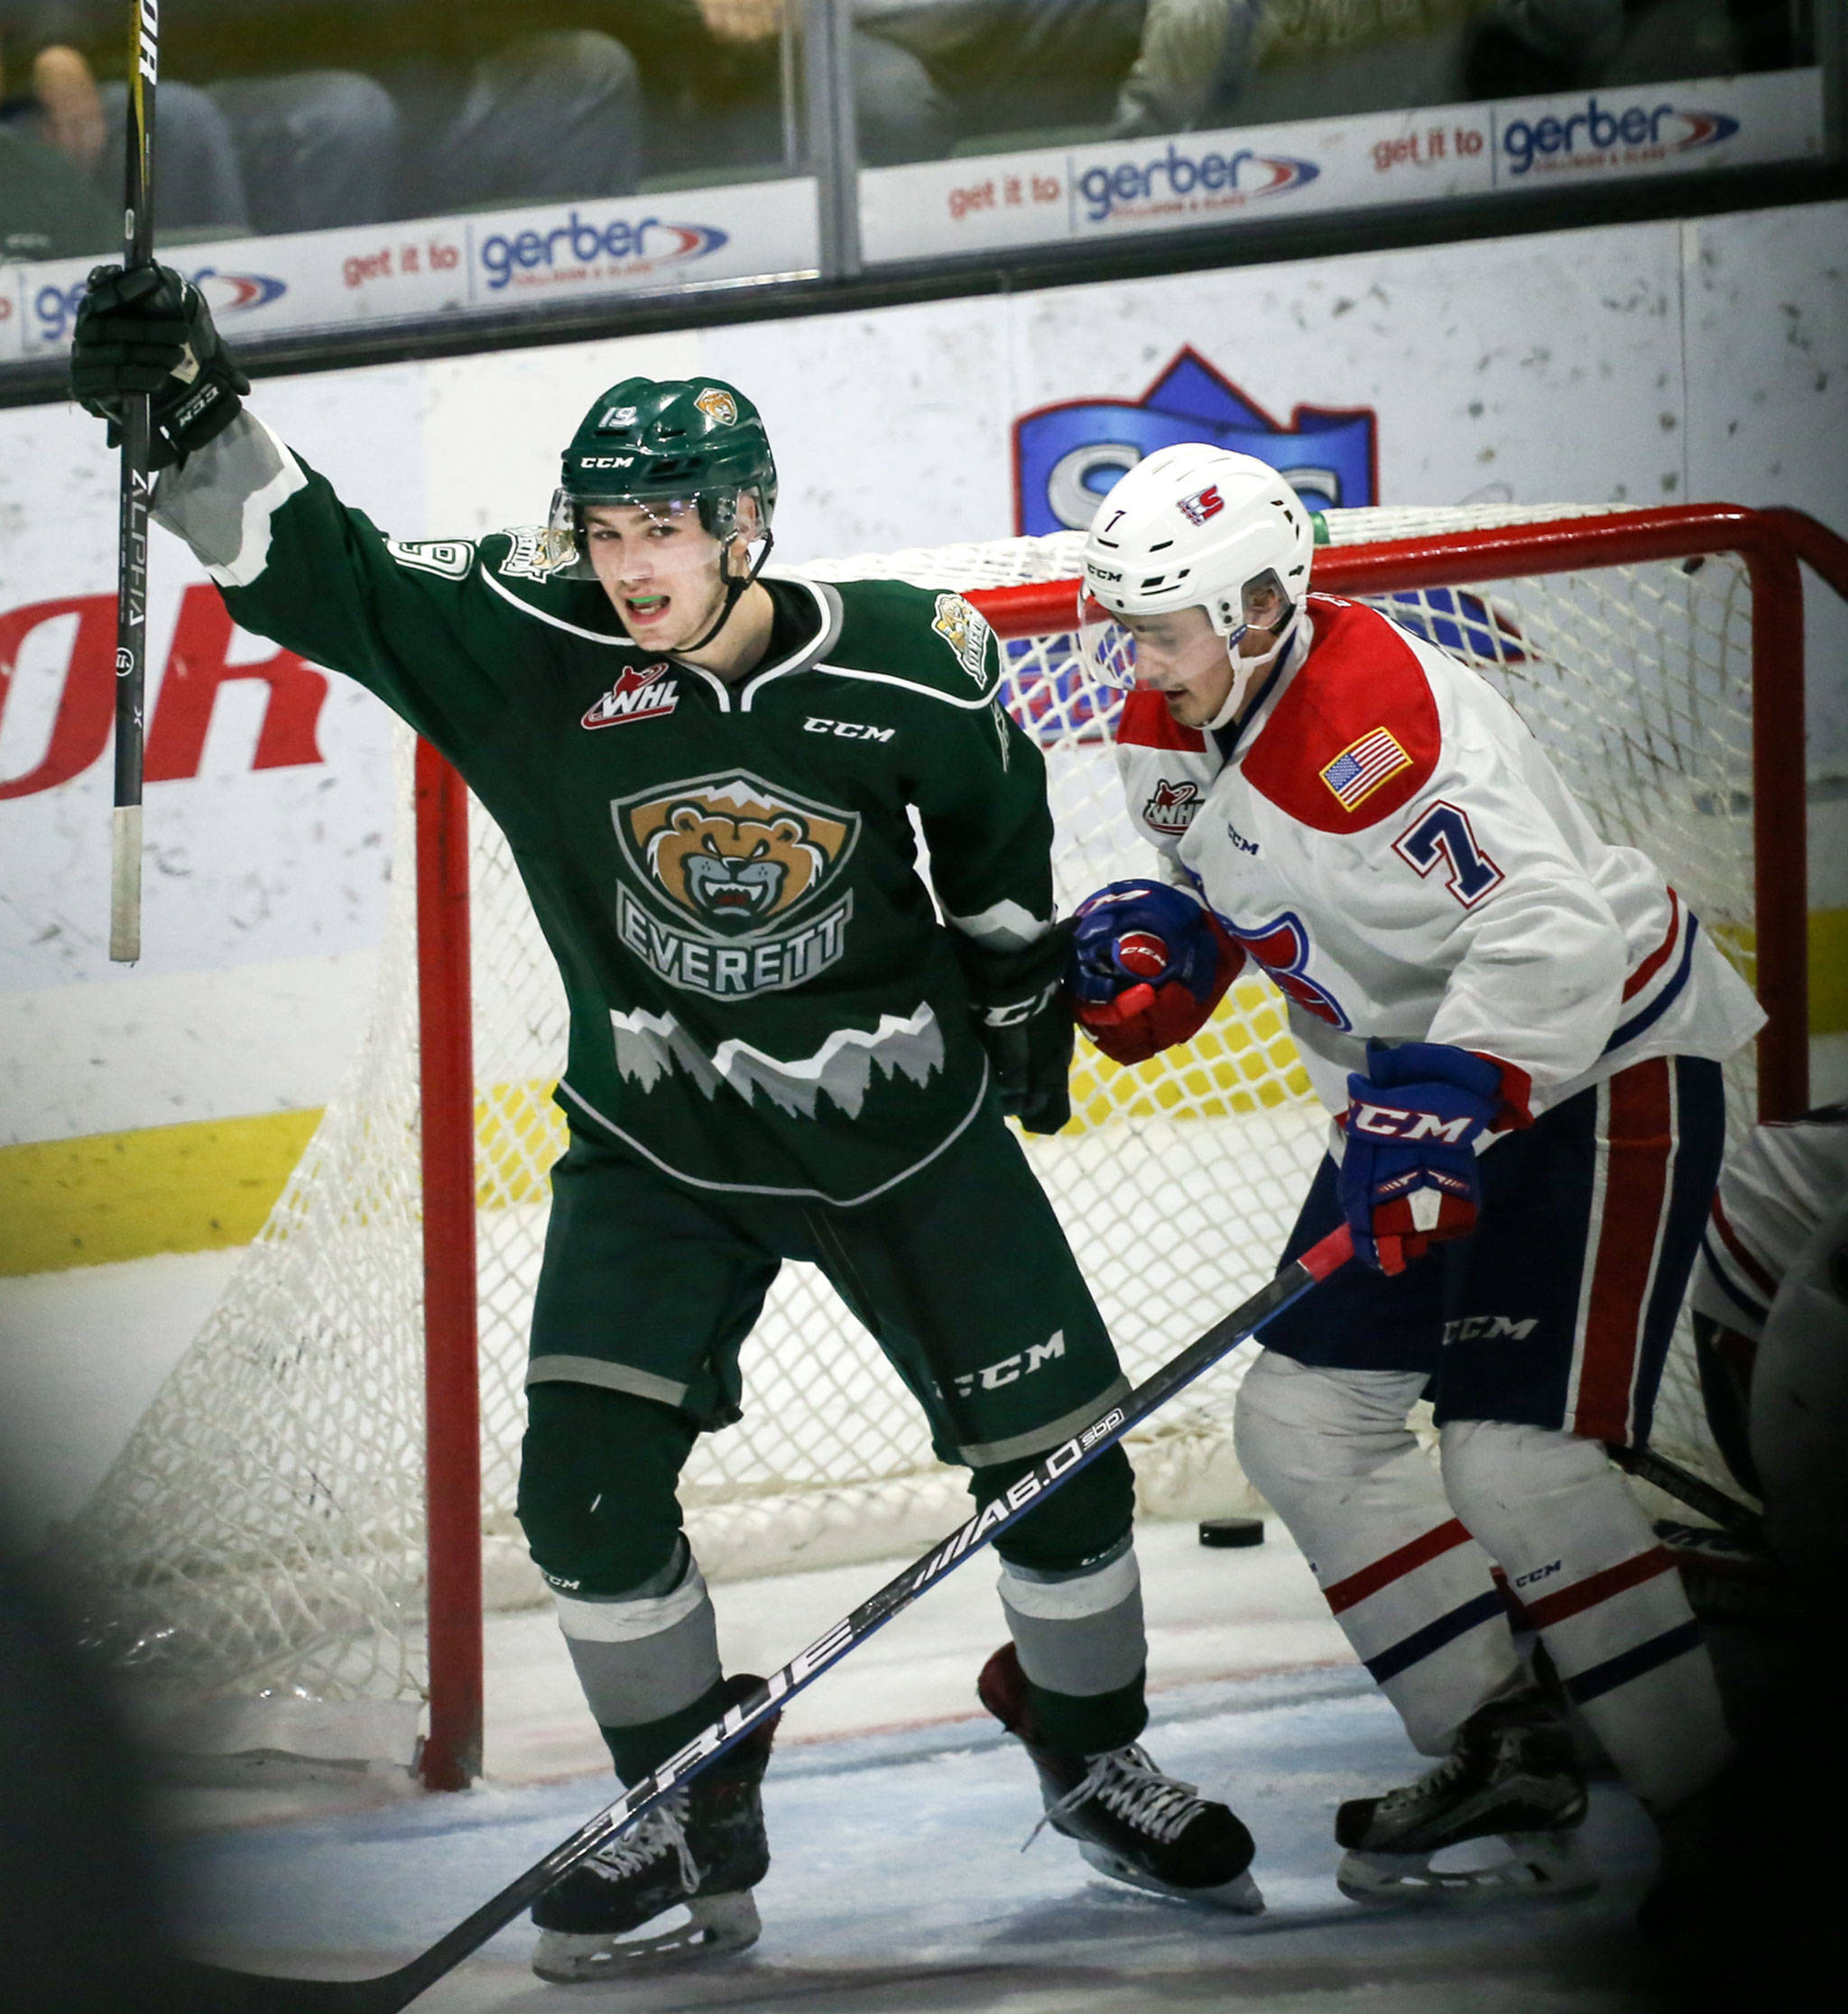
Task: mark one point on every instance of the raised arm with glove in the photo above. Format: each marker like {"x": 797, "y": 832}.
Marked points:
{"x": 150, "y": 330}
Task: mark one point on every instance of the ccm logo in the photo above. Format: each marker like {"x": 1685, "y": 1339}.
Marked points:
{"x": 1538, "y": 1573}
{"x": 847, "y": 730}
{"x": 606, "y": 461}
{"x": 1473, "y": 1328}
{"x": 1392, "y": 1122}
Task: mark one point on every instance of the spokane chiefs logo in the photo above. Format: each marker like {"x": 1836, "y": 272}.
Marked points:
{"x": 1067, "y": 455}
{"x": 738, "y": 878}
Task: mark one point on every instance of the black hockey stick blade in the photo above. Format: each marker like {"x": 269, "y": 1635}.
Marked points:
{"x": 132, "y": 549}
{"x": 225, "y": 1991}
{"x": 1673, "y": 1480}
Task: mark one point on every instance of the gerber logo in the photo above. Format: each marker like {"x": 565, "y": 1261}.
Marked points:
{"x": 1595, "y": 136}
{"x": 1182, "y": 183}
{"x": 965, "y": 632}
{"x": 1068, "y": 456}
{"x": 232, "y": 294}
{"x": 720, "y": 407}
{"x": 1172, "y": 806}
{"x": 635, "y": 695}
{"x": 590, "y": 248}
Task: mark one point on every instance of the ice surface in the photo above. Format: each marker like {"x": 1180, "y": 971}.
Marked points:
{"x": 896, "y": 1820}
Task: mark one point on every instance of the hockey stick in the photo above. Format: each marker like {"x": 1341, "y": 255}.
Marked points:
{"x": 1673, "y": 1480}
{"x": 132, "y": 550}
{"x": 263, "y": 1993}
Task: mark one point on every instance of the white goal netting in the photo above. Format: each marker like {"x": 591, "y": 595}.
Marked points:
{"x": 263, "y": 1535}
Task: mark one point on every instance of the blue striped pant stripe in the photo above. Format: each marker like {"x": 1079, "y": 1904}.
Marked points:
{"x": 1395, "y": 1658}
{"x": 1601, "y": 1678}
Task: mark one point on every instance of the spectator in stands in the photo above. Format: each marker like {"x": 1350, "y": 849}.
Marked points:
{"x": 50, "y": 49}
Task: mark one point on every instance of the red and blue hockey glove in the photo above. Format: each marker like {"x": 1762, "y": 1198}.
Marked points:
{"x": 1409, "y": 1178}
{"x": 1148, "y": 964}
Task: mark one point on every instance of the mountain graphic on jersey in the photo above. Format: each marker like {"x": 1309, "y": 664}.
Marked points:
{"x": 747, "y": 870}
{"x": 637, "y": 695}
{"x": 651, "y": 1046}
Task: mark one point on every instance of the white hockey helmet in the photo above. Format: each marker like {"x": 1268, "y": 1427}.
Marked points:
{"x": 1193, "y": 527}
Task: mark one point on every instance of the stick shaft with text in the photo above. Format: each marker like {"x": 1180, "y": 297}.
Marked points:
{"x": 132, "y": 558}
{"x": 247, "y": 1992}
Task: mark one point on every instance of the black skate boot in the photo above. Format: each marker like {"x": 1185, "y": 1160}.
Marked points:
{"x": 702, "y": 1848}
{"x": 1514, "y": 1773}
{"x": 1129, "y": 1821}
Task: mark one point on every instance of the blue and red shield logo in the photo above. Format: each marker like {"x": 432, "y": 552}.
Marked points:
{"x": 1067, "y": 455}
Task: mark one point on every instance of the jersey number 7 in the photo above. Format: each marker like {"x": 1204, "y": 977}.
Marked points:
{"x": 1443, "y": 833}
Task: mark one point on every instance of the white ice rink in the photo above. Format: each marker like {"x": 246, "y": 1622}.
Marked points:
{"x": 896, "y": 1818}
{"x": 896, "y": 1809}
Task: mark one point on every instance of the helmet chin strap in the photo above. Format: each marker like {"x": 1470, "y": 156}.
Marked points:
{"x": 734, "y": 593}
{"x": 1249, "y": 671}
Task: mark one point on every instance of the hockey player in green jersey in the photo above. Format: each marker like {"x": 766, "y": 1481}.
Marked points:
{"x": 706, "y": 775}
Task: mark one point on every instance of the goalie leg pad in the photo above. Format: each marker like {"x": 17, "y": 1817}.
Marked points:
{"x": 1330, "y": 1450}
{"x": 1584, "y": 1563}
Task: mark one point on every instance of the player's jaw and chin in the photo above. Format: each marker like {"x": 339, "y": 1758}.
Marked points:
{"x": 1181, "y": 656}
{"x": 663, "y": 571}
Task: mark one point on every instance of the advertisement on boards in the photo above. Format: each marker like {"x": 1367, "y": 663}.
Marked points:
{"x": 454, "y": 265}
{"x": 1641, "y": 363}
{"x": 1048, "y": 196}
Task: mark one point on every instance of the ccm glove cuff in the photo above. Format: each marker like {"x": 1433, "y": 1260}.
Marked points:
{"x": 1409, "y": 1178}
{"x": 148, "y": 330}
{"x": 1024, "y": 1023}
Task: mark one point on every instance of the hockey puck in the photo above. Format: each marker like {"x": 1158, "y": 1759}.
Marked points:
{"x": 1232, "y": 1531}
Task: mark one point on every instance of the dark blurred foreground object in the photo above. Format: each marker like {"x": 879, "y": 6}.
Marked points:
{"x": 81, "y": 1929}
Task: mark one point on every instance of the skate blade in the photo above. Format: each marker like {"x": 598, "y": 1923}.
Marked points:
{"x": 1240, "y": 1894}
{"x": 1541, "y": 1866}
{"x": 717, "y": 1925}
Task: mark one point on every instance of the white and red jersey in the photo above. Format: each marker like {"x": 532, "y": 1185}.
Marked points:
{"x": 1387, "y": 839}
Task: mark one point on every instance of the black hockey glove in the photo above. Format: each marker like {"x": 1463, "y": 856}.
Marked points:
{"x": 149, "y": 330}
{"x": 1025, "y": 1023}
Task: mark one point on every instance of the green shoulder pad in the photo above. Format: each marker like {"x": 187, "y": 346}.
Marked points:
{"x": 524, "y": 565}
{"x": 929, "y": 638}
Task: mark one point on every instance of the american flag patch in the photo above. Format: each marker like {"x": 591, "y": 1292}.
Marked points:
{"x": 1362, "y": 766}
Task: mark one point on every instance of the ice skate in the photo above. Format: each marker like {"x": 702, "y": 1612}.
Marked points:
{"x": 1513, "y": 1775}
{"x": 1129, "y": 1821}
{"x": 702, "y": 1849}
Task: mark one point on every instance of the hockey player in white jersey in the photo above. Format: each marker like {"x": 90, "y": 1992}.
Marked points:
{"x": 1518, "y": 1031}
{"x": 1771, "y": 1328}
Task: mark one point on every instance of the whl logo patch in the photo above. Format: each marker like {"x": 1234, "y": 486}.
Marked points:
{"x": 635, "y": 695}
{"x": 1171, "y": 806}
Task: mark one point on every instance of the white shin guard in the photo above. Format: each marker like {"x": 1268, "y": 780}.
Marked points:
{"x": 1331, "y": 1453}
{"x": 1581, "y": 1557}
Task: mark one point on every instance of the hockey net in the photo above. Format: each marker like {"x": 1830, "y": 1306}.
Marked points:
{"x": 263, "y": 1536}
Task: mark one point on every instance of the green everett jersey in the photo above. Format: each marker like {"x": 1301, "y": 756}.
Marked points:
{"x": 761, "y": 996}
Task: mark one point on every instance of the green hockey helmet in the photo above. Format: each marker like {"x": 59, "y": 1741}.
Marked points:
{"x": 662, "y": 440}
